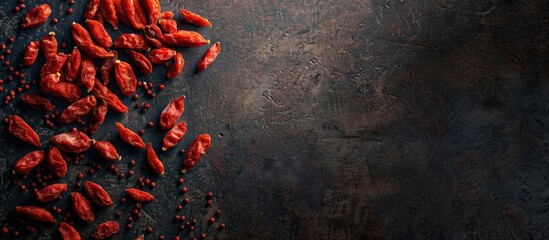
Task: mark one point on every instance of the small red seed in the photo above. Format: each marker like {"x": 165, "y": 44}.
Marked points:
{"x": 12, "y": 39}
{"x": 54, "y": 21}
{"x": 121, "y": 175}
{"x": 211, "y": 220}
{"x": 149, "y": 230}
{"x": 130, "y": 173}
{"x": 69, "y": 11}
{"x": 141, "y": 132}
{"x": 150, "y": 124}
{"x": 147, "y": 106}
{"x": 123, "y": 200}
{"x": 210, "y": 202}
{"x": 186, "y": 201}
{"x": 180, "y": 181}
{"x": 153, "y": 185}
{"x": 221, "y": 226}
{"x": 5, "y": 230}
{"x": 161, "y": 87}
{"x": 209, "y": 195}
{"x": 147, "y": 181}
{"x": 179, "y": 207}
{"x": 80, "y": 175}
{"x": 132, "y": 163}
{"x": 184, "y": 190}
{"x": 128, "y": 225}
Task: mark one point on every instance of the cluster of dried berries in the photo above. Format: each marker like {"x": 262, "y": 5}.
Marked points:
{"x": 62, "y": 76}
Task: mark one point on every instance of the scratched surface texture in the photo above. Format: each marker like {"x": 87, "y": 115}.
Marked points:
{"x": 335, "y": 119}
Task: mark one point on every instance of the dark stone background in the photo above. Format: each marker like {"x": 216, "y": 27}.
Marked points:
{"x": 337, "y": 119}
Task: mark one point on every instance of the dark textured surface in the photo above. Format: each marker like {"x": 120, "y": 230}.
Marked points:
{"x": 343, "y": 120}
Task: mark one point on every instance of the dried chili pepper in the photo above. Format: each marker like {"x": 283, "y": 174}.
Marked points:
{"x": 154, "y": 161}
{"x": 152, "y": 8}
{"x": 31, "y": 53}
{"x": 22, "y": 131}
{"x": 78, "y": 109}
{"x": 132, "y": 41}
{"x": 140, "y": 61}
{"x": 195, "y": 19}
{"x": 102, "y": 92}
{"x": 35, "y": 213}
{"x": 99, "y": 33}
{"x": 209, "y": 57}
{"x": 135, "y": 14}
{"x": 129, "y": 136}
{"x": 199, "y": 146}
{"x": 98, "y": 117}
{"x": 82, "y": 207}
{"x": 68, "y": 232}
{"x": 173, "y": 136}
{"x": 28, "y": 162}
{"x": 171, "y": 113}
{"x": 154, "y": 36}
{"x": 106, "y": 230}
{"x": 48, "y": 81}
{"x": 177, "y": 66}
{"x": 37, "y": 102}
{"x": 183, "y": 38}
{"x": 65, "y": 91}
{"x": 54, "y": 65}
{"x": 36, "y": 16}
{"x": 138, "y": 195}
{"x": 125, "y": 77}
{"x": 56, "y": 163}
{"x": 49, "y": 46}
{"x": 168, "y": 25}
{"x": 107, "y": 150}
{"x": 50, "y": 192}
{"x": 161, "y": 55}
{"x": 72, "y": 142}
{"x": 106, "y": 67}
{"x": 97, "y": 194}
{"x": 73, "y": 65}
{"x": 87, "y": 73}
{"x": 91, "y": 8}
{"x": 85, "y": 43}
{"x": 108, "y": 8}
{"x": 166, "y": 15}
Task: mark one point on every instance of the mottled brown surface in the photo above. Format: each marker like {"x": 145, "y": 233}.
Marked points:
{"x": 347, "y": 119}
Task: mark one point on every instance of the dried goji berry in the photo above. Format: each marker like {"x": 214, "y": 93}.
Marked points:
{"x": 171, "y": 113}
{"x": 73, "y": 65}
{"x": 56, "y": 163}
{"x": 106, "y": 230}
{"x": 36, "y": 16}
{"x": 129, "y": 136}
{"x": 140, "y": 237}
{"x": 107, "y": 150}
{"x": 102, "y": 92}
{"x": 35, "y": 213}
{"x": 72, "y": 142}
{"x": 98, "y": 117}
{"x": 173, "y": 136}
{"x": 37, "y": 102}
{"x": 140, "y": 61}
{"x": 65, "y": 91}
{"x": 99, "y": 33}
{"x": 85, "y": 43}
{"x": 106, "y": 67}
{"x": 209, "y": 57}
{"x": 168, "y": 25}
{"x": 78, "y": 109}
{"x": 50, "y": 192}
{"x": 154, "y": 161}
{"x": 183, "y": 38}
{"x": 199, "y": 146}
{"x": 138, "y": 195}
{"x": 68, "y": 232}
{"x": 31, "y": 53}
{"x": 82, "y": 207}
{"x": 98, "y": 17}
{"x": 132, "y": 41}
{"x": 154, "y": 36}
{"x": 28, "y": 162}
{"x": 22, "y": 131}
{"x": 49, "y": 46}
{"x": 166, "y": 15}
{"x": 97, "y": 194}
{"x": 108, "y": 8}
{"x": 160, "y": 55}
{"x": 87, "y": 73}
{"x": 152, "y": 8}
{"x": 91, "y": 8}
{"x": 135, "y": 14}
{"x": 121, "y": 13}
{"x": 48, "y": 81}
{"x": 54, "y": 65}
{"x": 195, "y": 19}
{"x": 177, "y": 66}
{"x": 125, "y": 77}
